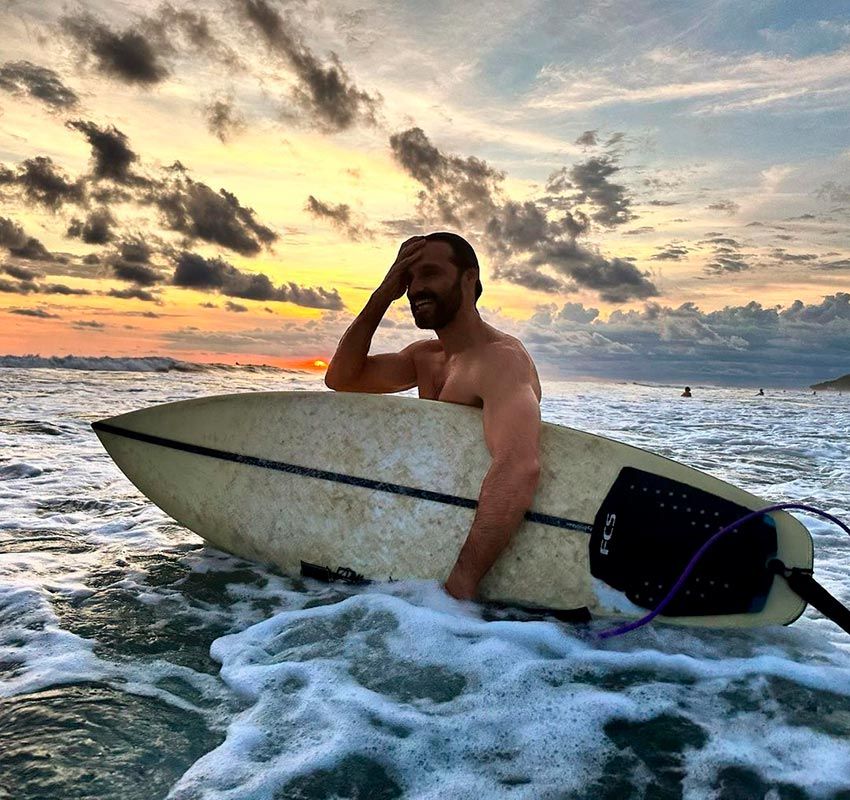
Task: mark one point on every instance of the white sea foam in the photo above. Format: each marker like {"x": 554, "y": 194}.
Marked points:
{"x": 397, "y": 689}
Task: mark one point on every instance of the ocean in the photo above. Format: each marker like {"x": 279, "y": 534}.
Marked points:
{"x": 135, "y": 662}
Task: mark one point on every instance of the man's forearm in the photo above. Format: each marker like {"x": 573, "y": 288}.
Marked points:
{"x": 506, "y": 494}
{"x": 350, "y": 356}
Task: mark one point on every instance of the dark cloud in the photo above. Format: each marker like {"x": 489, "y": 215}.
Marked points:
{"x": 326, "y": 92}
{"x": 196, "y": 272}
{"x": 639, "y": 231}
{"x": 134, "y": 292}
{"x": 23, "y": 287}
{"x": 842, "y": 263}
{"x": 672, "y": 252}
{"x": 662, "y": 202}
{"x": 727, "y": 241}
{"x": 194, "y": 209}
{"x": 590, "y": 180}
{"x": 616, "y": 280}
{"x": 231, "y": 306}
{"x": 87, "y": 324}
{"x": 724, "y": 264}
{"x": 744, "y": 344}
{"x": 532, "y": 278}
{"x": 43, "y": 183}
{"x": 27, "y": 285}
{"x": 466, "y": 193}
{"x": 588, "y": 139}
{"x": 141, "y": 54}
{"x": 518, "y": 226}
{"x": 13, "y": 237}
{"x": 339, "y": 215}
{"x": 140, "y": 274}
{"x": 26, "y": 78}
{"x": 223, "y": 120}
{"x": 727, "y": 206}
{"x": 129, "y": 56}
{"x": 111, "y": 154}
{"x": 207, "y": 305}
{"x": 91, "y": 258}
{"x": 780, "y": 254}
{"x": 458, "y": 188}
{"x": 135, "y": 249}
{"x": 21, "y": 273}
{"x": 96, "y": 229}
{"x": 34, "y": 312}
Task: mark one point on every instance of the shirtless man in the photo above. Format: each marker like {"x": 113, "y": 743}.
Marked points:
{"x": 471, "y": 363}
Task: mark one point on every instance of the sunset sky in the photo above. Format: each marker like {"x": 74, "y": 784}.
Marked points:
{"x": 656, "y": 191}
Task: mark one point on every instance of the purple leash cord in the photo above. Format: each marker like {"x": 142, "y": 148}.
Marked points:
{"x": 619, "y": 631}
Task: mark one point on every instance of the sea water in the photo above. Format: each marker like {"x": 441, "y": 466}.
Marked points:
{"x": 135, "y": 662}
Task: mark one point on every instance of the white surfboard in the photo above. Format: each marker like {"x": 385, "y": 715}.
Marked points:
{"x": 385, "y": 487}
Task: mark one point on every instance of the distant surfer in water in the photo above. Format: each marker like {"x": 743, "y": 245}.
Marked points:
{"x": 687, "y": 392}
{"x": 761, "y": 393}
{"x": 470, "y": 363}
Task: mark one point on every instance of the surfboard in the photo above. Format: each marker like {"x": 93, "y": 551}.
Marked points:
{"x": 382, "y": 487}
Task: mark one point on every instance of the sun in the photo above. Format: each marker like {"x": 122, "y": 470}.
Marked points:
{"x": 319, "y": 363}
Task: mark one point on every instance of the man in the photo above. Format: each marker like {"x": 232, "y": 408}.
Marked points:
{"x": 471, "y": 363}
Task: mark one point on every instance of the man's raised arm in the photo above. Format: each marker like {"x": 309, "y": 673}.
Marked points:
{"x": 351, "y": 368}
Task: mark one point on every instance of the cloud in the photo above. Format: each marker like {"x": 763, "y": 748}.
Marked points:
{"x": 96, "y": 229}
{"x": 129, "y": 56}
{"x": 727, "y": 206}
{"x": 339, "y": 215}
{"x": 34, "y": 312}
{"x": 21, "y": 273}
{"x": 671, "y": 252}
{"x": 326, "y": 92}
{"x": 223, "y": 120}
{"x": 196, "y": 272}
{"x": 588, "y": 139}
{"x": 41, "y": 83}
{"x": 458, "y": 189}
{"x": 134, "y": 292}
{"x": 111, "y": 154}
{"x": 590, "y": 179}
{"x": 43, "y": 183}
{"x": 13, "y": 237}
{"x": 616, "y": 280}
{"x": 83, "y": 324}
{"x": 747, "y": 344}
{"x": 467, "y": 194}
{"x": 140, "y": 274}
{"x": 194, "y": 209}
{"x": 704, "y": 82}
{"x": 231, "y": 306}
{"x": 834, "y": 192}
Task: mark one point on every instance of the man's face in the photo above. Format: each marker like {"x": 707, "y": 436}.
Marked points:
{"x": 435, "y": 279}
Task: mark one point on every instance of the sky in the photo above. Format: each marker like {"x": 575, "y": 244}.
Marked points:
{"x": 656, "y": 191}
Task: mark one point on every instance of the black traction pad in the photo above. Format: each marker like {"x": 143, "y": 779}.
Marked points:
{"x": 648, "y": 529}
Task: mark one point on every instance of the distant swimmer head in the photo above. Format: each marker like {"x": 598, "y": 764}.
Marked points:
{"x": 442, "y": 280}
{"x": 687, "y": 392}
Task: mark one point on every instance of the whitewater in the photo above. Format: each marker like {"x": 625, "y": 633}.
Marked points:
{"x": 136, "y": 662}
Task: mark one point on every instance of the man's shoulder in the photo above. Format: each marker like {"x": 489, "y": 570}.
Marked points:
{"x": 508, "y": 351}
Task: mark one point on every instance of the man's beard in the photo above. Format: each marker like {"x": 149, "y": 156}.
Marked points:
{"x": 442, "y": 312}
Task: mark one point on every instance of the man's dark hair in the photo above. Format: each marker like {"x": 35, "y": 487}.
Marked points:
{"x": 463, "y": 256}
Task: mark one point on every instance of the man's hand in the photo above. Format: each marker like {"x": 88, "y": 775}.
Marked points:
{"x": 397, "y": 279}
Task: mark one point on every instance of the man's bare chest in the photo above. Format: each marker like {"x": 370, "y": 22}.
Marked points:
{"x": 452, "y": 381}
